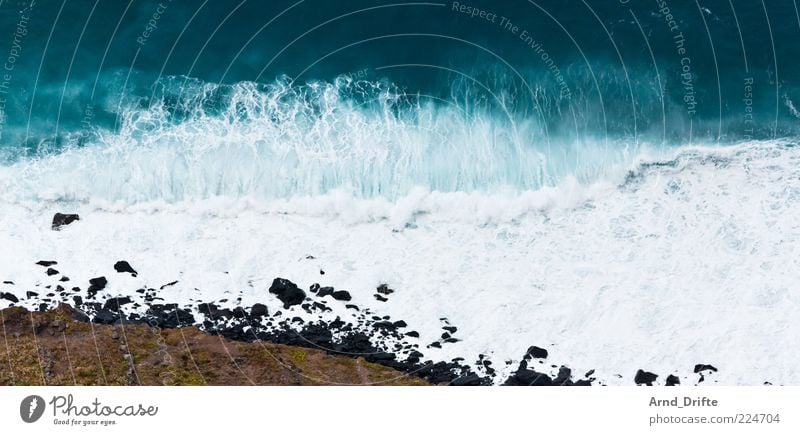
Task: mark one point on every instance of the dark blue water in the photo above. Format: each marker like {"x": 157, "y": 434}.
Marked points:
{"x": 633, "y": 70}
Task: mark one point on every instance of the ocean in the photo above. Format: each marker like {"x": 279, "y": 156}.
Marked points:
{"x": 617, "y": 181}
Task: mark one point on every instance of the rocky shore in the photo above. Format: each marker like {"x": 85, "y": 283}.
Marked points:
{"x": 63, "y": 319}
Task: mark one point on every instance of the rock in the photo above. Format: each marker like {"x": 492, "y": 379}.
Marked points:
{"x": 381, "y": 298}
{"x": 341, "y": 295}
{"x": 31, "y": 294}
{"x": 451, "y": 329}
{"x": 9, "y": 297}
{"x": 60, "y": 220}
{"x": 703, "y": 367}
{"x": 526, "y": 377}
{"x": 536, "y": 352}
{"x": 414, "y": 334}
{"x": 384, "y": 290}
{"x": 169, "y": 284}
{"x": 124, "y": 267}
{"x": 45, "y": 263}
{"x": 114, "y": 304}
{"x": 400, "y": 324}
{"x": 380, "y": 357}
{"x": 384, "y": 325}
{"x": 646, "y": 378}
{"x": 287, "y": 292}
{"x": 324, "y": 291}
{"x": 64, "y": 279}
{"x": 258, "y": 311}
{"x": 96, "y": 284}
{"x": 105, "y": 317}
{"x": 673, "y": 380}
{"x": 471, "y": 379}
{"x": 51, "y": 271}
{"x": 564, "y": 374}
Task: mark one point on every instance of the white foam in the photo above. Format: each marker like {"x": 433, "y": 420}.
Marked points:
{"x": 691, "y": 262}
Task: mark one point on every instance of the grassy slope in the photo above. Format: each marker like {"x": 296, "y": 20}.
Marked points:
{"x": 64, "y": 351}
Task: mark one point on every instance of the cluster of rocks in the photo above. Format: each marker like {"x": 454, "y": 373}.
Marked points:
{"x": 379, "y": 339}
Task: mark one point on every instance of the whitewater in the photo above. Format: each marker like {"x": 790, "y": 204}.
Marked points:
{"x": 615, "y": 255}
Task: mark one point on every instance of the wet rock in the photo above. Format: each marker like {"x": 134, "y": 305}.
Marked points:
{"x": 703, "y": 367}
{"x": 468, "y": 380}
{"x": 9, "y": 297}
{"x": 672, "y": 380}
{"x": 114, "y": 304}
{"x": 341, "y": 295}
{"x": 527, "y": 377}
{"x": 287, "y": 292}
{"x": 324, "y": 291}
{"x": 258, "y": 311}
{"x": 646, "y": 378}
{"x": 106, "y": 317}
{"x": 384, "y": 290}
{"x": 536, "y": 353}
{"x": 169, "y": 316}
{"x": 124, "y": 267}
{"x": 563, "y": 377}
{"x": 96, "y": 284}
{"x": 60, "y": 220}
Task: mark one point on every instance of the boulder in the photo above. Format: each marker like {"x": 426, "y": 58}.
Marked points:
{"x": 60, "y": 220}
{"x": 287, "y": 292}
{"x": 124, "y": 267}
{"x": 646, "y": 378}
{"x": 536, "y": 352}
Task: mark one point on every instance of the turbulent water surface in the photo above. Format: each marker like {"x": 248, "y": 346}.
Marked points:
{"x": 618, "y": 182}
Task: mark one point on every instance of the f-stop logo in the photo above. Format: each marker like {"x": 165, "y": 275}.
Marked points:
{"x": 31, "y": 408}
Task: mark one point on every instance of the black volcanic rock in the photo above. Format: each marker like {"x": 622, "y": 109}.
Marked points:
{"x": 114, "y": 304}
{"x": 646, "y": 378}
{"x": 96, "y": 284}
{"x": 324, "y": 291}
{"x": 105, "y": 317}
{"x": 702, "y": 367}
{"x": 9, "y": 297}
{"x": 287, "y": 292}
{"x": 124, "y": 267}
{"x": 384, "y": 289}
{"x": 258, "y": 311}
{"x": 341, "y": 295}
{"x": 527, "y": 377}
{"x": 673, "y": 380}
{"x": 468, "y": 380}
{"x": 60, "y": 220}
{"x": 536, "y": 352}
